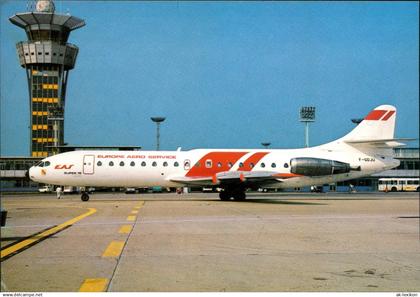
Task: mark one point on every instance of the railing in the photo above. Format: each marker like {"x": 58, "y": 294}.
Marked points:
{"x": 13, "y": 173}
{"x": 397, "y": 173}
{"x": 406, "y": 153}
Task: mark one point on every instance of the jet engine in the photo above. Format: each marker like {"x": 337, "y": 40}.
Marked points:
{"x": 317, "y": 167}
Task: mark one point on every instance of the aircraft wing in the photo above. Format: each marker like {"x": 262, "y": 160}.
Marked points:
{"x": 249, "y": 178}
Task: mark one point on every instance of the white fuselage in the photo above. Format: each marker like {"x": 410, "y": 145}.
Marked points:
{"x": 161, "y": 168}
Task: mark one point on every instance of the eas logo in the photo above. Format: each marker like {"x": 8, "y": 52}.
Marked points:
{"x": 63, "y": 166}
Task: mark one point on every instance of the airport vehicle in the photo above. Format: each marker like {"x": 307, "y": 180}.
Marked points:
{"x": 394, "y": 184}
{"x": 130, "y": 190}
{"x": 45, "y": 189}
{"x": 317, "y": 189}
{"x": 367, "y": 149}
{"x": 70, "y": 189}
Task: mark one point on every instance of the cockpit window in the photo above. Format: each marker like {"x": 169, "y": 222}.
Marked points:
{"x": 42, "y": 164}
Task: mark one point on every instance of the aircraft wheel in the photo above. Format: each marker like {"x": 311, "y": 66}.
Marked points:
{"x": 84, "y": 197}
{"x": 224, "y": 196}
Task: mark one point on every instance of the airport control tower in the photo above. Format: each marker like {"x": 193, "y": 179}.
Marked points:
{"x": 47, "y": 59}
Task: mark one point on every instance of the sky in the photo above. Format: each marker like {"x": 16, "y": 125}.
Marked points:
{"x": 224, "y": 74}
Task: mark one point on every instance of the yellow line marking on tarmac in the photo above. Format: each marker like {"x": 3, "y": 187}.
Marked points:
{"x": 139, "y": 206}
{"x": 25, "y": 243}
{"x": 125, "y": 229}
{"x": 114, "y": 249}
{"x": 134, "y": 211}
{"x": 131, "y": 218}
{"x": 94, "y": 285}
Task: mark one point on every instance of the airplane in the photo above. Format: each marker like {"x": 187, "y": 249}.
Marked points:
{"x": 366, "y": 150}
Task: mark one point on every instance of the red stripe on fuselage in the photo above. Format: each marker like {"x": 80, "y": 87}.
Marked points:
{"x": 216, "y": 157}
{"x": 254, "y": 159}
{"x": 375, "y": 115}
{"x": 388, "y": 115}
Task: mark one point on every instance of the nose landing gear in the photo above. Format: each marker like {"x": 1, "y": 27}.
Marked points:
{"x": 85, "y": 196}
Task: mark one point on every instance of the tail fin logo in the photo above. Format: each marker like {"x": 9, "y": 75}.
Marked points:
{"x": 376, "y": 115}
{"x": 388, "y": 115}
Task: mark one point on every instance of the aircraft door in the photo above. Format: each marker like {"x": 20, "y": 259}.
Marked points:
{"x": 88, "y": 164}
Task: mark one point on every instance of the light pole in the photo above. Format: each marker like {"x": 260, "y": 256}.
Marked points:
{"x": 266, "y": 144}
{"x": 307, "y": 115}
{"x": 157, "y": 120}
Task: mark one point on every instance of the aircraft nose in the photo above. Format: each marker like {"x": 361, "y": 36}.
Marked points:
{"x": 31, "y": 173}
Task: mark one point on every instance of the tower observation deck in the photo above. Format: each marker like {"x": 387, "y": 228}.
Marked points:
{"x": 47, "y": 59}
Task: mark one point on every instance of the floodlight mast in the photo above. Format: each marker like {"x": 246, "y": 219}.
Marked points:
{"x": 307, "y": 115}
{"x": 158, "y": 120}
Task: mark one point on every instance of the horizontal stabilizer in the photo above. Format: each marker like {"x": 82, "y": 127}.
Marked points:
{"x": 381, "y": 143}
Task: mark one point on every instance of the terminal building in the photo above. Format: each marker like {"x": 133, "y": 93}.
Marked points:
{"x": 47, "y": 59}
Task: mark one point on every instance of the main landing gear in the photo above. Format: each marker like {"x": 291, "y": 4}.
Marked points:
{"x": 85, "y": 196}
{"x": 236, "y": 194}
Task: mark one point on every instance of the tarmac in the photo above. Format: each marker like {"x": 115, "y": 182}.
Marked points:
{"x": 272, "y": 242}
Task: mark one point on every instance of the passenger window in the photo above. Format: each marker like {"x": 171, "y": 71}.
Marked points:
{"x": 262, "y": 165}
{"x": 111, "y": 163}
{"x": 176, "y": 164}
{"x": 99, "y": 163}
{"x": 165, "y": 164}
{"x": 241, "y": 165}
{"x": 230, "y": 164}
{"x": 286, "y": 165}
{"x": 219, "y": 164}
{"x": 121, "y": 163}
{"x": 273, "y": 165}
{"x": 48, "y": 163}
{"x": 209, "y": 164}
{"x": 251, "y": 165}
{"x": 143, "y": 164}
{"x": 132, "y": 163}
{"x": 154, "y": 164}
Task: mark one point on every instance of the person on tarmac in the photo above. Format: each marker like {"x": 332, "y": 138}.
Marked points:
{"x": 59, "y": 192}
